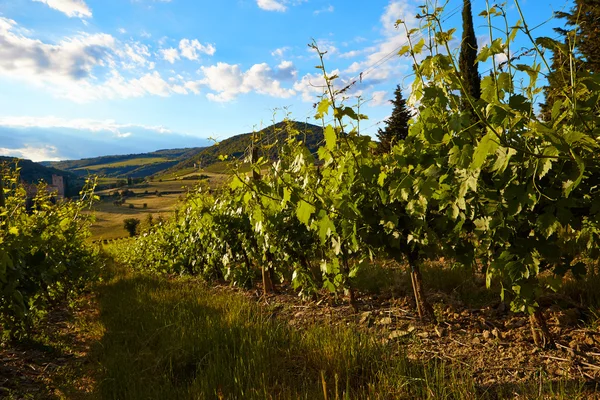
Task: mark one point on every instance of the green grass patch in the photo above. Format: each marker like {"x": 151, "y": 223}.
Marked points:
{"x": 127, "y": 163}
{"x": 179, "y": 339}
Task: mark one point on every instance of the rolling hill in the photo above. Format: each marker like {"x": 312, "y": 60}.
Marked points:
{"x": 235, "y": 146}
{"x": 175, "y": 160}
{"x": 128, "y": 165}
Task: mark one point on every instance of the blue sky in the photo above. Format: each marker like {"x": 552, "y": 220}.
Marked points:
{"x": 83, "y": 78}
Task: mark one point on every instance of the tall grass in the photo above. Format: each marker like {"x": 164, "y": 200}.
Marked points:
{"x": 179, "y": 339}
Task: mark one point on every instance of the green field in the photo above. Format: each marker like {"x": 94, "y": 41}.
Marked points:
{"x": 160, "y": 197}
{"x": 127, "y": 163}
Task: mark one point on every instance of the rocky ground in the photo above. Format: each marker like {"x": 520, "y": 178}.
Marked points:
{"x": 493, "y": 343}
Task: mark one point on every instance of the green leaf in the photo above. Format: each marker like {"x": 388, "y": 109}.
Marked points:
{"x": 487, "y": 145}
{"x": 547, "y": 223}
{"x": 545, "y": 164}
{"x": 304, "y": 211}
{"x": 330, "y": 138}
{"x": 287, "y": 195}
{"x": 419, "y": 46}
{"x": 236, "y": 183}
{"x": 547, "y": 42}
{"x": 13, "y": 230}
{"x": 569, "y": 185}
{"x": 404, "y": 50}
{"x": 381, "y": 178}
{"x": 482, "y": 224}
{"x": 503, "y": 155}
{"x": 325, "y": 227}
{"x": 323, "y": 108}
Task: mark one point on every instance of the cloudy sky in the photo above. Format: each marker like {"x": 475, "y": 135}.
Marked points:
{"x": 83, "y": 78}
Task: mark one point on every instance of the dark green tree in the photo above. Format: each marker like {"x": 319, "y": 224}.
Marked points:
{"x": 584, "y": 21}
{"x": 558, "y": 79}
{"x": 580, "y": 37}
{"x": 469, "y": 72}
{"x": 396, "y": 125}
{"x": 131, "y": 225}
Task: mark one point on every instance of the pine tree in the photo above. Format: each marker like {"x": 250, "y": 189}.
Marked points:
{"x": 468, "y": 54}
{"x": 584, "y": 36}
{"x": 558, "y": 79}
{"x": 584, "y": 18}
{"x": 396, "y": 125}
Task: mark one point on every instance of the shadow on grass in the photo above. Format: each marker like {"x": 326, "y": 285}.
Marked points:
{"x": 178, "y": 339}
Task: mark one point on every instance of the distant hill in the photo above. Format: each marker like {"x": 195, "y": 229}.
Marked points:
{"x": 129, "y": 165}
{"x": 235, "y": 146}
{"x": 174, "y": 160}
{"x": 32, "y": 172}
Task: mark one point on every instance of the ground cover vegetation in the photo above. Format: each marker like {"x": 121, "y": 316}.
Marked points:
{"x": 482, "y": 205}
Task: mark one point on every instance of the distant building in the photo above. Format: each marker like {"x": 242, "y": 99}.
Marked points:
{"x": 57, "y": 188}
{"x": 58, "y": 185}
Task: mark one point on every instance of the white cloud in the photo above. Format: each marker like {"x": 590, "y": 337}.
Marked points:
{"x": 72, "y": 8}
{"x": 393, "y": 38}
{"x": 122, "y": 30}
{"x": 118, "y": 86}
{"x": 325, "y": 45}
{"x": 324, "y": 10}
{"x": 228, "y": 81}
{"x": 280, "y": 51}
{"x": 170, "y": 54}
{"x": 194, "y": 86}
{"x": 354, "y": 53}
{"x": 271, "y": 5}
{"x": 311, "y": 85}
{"x": 81, "y": 68}
{"x": 45, "y": 153}
{"x": 286, "y": 71}
{"x": 71, "y": 59}
{"x": 137, "y": 53}
{"x": 190, "y": 48}
{"x": 379, "y": 98}
{"x": 83, "y": 124}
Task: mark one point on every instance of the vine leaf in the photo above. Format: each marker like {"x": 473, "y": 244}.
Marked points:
{"x": 330, "y": 138}
{"x": 304, "y": 211}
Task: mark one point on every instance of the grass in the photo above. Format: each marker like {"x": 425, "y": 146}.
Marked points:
{"x": 179, "y": 339}
{"x": 126, "y": 163}
{"x": 151, "y": 337}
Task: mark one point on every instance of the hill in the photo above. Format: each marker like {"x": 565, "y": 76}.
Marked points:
{"x": 128, "y": 165}
{"x": 32, "y": 172}
{"x": 268, "y": 138}
{"x": 173, "y": 161}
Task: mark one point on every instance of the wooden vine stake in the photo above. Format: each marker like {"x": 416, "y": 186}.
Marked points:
{"x": 424, "y": 309}
{"x": 268, "y": 270}
{"x": 539, "y": 329}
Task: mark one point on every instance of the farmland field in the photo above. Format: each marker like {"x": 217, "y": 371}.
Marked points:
{"x": 127, "y": 163}
{"x": 110, "y": 217}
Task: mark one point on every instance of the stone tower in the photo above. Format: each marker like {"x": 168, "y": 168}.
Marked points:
{"x": 59, "y": 183}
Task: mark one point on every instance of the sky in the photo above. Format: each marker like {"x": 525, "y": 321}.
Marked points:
{"x": 84, "y": 78}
